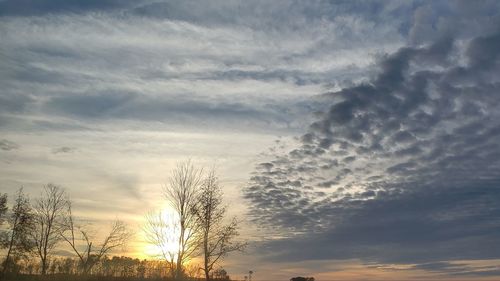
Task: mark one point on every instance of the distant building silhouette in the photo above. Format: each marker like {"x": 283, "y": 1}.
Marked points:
{"x": 300, "y": 278}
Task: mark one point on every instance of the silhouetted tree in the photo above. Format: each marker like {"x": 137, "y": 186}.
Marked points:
{"x": 3, "y": 207}
{"x": 220, "y": 274}
{"x": 181, "y": 194}
{"x": 158, "y": 231}
{"x": 217, "y": 239}
{"x": 67, "y": 266}
{"x": 193, "y": 270}
{"x": 300, "y": 278}
{"x": 3, "y": 212}
{"x": 21, "y": 224}
{"x": 91, "y": 253}
{"x": 49, "y": 213}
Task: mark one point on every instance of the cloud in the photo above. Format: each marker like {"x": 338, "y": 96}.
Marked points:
{"x": 179, "y": 62}
{"x": 450, "y": 223}
{"x": 134, "y": 106}
{"x": 14, "y": 103}
{"x": 41, "y": 7}
{"x": 401, "y": 169}
{"x": 63, "y": 149}
{"x": 385, "y": 153}
{"x": 8, "y": 145}
{"x": 460, "y": 19}
{"x": 459, "y": 269}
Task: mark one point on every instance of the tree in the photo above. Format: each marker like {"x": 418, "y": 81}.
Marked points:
{"x": 3, "y": 207}
{"x": 159, "y": 231}
{"x": 91, "y": 254}
{"x": 49, "y": 213}
{"x": 217, "y": 237}
{"x": 300, "y": 278}
{"x": 21, "y": 225}
{"x": 3, "y": 212}
{"x": 221, "y": 274}
{"x": 181, "y": 194}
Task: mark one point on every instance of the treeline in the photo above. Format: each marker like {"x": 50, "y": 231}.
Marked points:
{"x": 30, "y": 233}
{"x": 116, "y": 267}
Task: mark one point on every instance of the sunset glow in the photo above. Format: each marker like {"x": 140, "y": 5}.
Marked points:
{"x": 169, "y": 244}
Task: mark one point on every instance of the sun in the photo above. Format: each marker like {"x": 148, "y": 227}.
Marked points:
{"x": 161, "y": 235}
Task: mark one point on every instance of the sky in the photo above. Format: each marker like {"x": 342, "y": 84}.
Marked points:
{"x": 355, "y": 140}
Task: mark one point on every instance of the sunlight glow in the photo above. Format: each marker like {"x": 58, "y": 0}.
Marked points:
{"x": 166, "y": 246}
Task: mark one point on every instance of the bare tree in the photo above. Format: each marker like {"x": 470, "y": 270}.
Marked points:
{"x": 49, "y": 213}
{"x": 90, "y": 254}
{"x": 3, "y": 213}
{"x": 181, "y": 193}
{"x": 3, "y": 207}
{"x": 21, "y": 224}
{"x": 159, "y": 231}
{"x": 217, "y": 237}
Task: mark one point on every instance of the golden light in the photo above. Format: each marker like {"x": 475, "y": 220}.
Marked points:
{"x": 161, "y": 235}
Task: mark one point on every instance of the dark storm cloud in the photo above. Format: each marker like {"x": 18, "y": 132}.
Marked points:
{"x": 410, "y": 160}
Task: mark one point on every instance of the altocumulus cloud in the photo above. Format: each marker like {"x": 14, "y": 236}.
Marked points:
{"x": 403, "y": 168}
{"x": 71, "y": 70}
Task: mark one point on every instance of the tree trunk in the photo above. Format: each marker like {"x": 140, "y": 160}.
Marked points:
{"x": 207, "y": 275}
{"x": 180, "y": 256}
{"x": 11, "y": 244}
{"x": 205, "y": 253}
{"x": 45, "y": 252}
{"x": 7, "y": 258}
{"x": 44, "y": 266}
